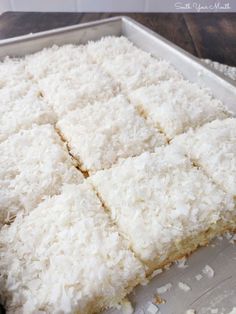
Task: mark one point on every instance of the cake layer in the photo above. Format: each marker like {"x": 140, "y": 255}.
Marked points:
{"x": 159, "y": 200}
{"x": 65, "y": 257}
{"x": 33, "y": 164}
{"x": 213, "y": 147}
{"x": 77, "y": 87}
{"x": 137, "y": 69}
{"x": 175, "y": 106}
{"x": 99, "y": 134}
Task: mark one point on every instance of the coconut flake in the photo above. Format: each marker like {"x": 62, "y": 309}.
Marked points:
{"x": 198, "y": 277}
{"x": 126, "y": 307}
{"x": 156, "y": 272}
{"x": 207, "y": 270}
{"x": 164, "y": 288}
{"x": 152, "y": 308}
{"x": 233, "y": 239}
{"x": 181, "y": 263}
{"x": 228, "y": 235}
{"x": 183, "y": 286}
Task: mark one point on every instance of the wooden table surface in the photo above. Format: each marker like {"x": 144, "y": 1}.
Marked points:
{"x": 206, "y": 35}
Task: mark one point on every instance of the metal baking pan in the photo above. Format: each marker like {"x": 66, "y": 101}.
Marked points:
{"x": 208, "y": 294}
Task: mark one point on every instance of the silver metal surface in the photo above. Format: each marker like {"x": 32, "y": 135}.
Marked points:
{"x": 206, "y": 294}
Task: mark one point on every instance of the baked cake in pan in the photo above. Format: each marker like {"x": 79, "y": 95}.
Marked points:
{"x": 160, "y": 156}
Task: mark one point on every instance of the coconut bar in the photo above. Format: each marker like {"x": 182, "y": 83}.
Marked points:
{"x": 175, "y": 106}
{"x": 55, "y": 59}
{"x": 164, "y": 205}
{"x": 137, "y": 69}
{"x": 77, "y": 87}
{"x": 100, "y": 134}
{"x": 108, "y": 48}
{"x": 33, "y": 164}
{"x": 65, "y": 257}
{"x": 23, "y": 112}
{"x": 213, "y": 147}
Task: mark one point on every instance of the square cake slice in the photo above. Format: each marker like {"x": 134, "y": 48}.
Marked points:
{"x": 23, "y": 112}
{"x": 108, "y": 48}
{"x": 100, "y": 134}
{"x": 55, "y": 59}
{"x": 12, "y": 72}
{"x": 164, "y": 205}
{"x": 137, "y": 69}
{"x": 77, "y": 87}
{"x": 34, "y": 164}
{"x": 175, "y": 106}
{"x": 10, "y": 94}
{"x": 213, "y": 147}
{"x": 65, "y": 257}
